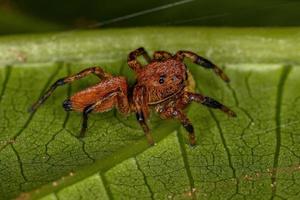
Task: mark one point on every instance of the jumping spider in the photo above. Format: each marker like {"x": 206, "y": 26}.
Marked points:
{"x": 161, "y": 84}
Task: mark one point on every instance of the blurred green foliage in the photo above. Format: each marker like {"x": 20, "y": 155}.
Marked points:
{"x": 43, "y": 16}
{"x": 15, "y": 22}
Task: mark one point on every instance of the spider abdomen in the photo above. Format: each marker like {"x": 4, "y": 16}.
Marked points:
{"x": 91, "y": 95}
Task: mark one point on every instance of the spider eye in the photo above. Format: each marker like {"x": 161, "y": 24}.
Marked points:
{"x": 161, "y": 79}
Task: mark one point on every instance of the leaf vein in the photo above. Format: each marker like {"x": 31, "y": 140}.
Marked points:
{"x": 20, "y": 164}
{"x": 226, "y": 150}
{"x": 7, "y": 76}
{"x": 16, "y": 135}
{"x": 284, "y": 75}
{"x": 145, "y": 178}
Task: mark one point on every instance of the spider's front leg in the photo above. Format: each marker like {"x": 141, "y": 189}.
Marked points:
{"x": 175, "y": 112}
{"x": 202, "y": 62}
{"x": 140, "y": 102}
{"x": 161, "y": 55}
{"x": 132, "y": 59}
{"x": 209, "y": 102}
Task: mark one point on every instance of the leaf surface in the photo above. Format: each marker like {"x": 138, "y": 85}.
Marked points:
{"x": 254, "y": 156}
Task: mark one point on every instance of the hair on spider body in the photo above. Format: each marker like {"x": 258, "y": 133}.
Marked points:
{"x": 161, "y": 84}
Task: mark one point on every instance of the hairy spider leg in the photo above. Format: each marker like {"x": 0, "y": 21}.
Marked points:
{"x": 202, "y": 62}
{"x": 161, "y": 55}
{"x": 174, "y": 109}
{"x": 210, "y": 102}
{"x": 69, "y": 79}
{"x": 92, "y": 107}
{"x": 132, "y": 59}
{"x": 169, "y": 112}
{"x": 142, "y": 121}
{"x": 140, "y": 101}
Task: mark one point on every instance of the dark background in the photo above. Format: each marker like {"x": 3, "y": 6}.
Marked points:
{"x": 28, "y": 16}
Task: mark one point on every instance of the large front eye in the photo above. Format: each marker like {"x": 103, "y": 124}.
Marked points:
{"x": 161, "y": 79}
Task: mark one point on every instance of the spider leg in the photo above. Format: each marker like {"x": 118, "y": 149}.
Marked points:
{"x": 84, "y": 125}
{"x": 142, "y": 121}
{"x": 202, "y": 62}
{"x": 173, "y": 112}
{"x": 132, "y": 58}
{"x": 161, "y": 55}
{"x": 88, "y": 109}
{"x": 141, "y": 108}
{"x": 69, "y": 79}
{"x": 210, "y": 102}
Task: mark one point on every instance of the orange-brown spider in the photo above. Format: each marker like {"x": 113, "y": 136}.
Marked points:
{"x": 161, "y": 84}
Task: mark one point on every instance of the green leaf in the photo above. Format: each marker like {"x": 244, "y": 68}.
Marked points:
{"x": 254, "y": 156}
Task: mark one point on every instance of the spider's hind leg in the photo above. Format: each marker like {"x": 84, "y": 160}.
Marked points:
{"x": 117, "y": 93}
{"x": 69, "y": 79}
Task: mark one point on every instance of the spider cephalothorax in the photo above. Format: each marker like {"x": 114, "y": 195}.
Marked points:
{"x": 162, "y": 79}
{"x": 161, "y": 84}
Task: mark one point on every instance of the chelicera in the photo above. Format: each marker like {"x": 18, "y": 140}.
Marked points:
{"x": 161, "y": 84}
